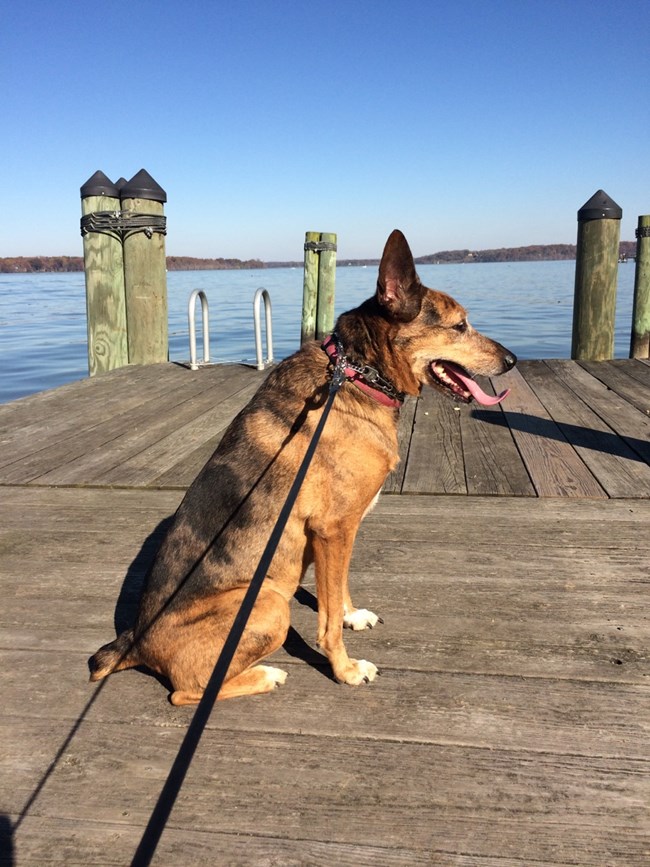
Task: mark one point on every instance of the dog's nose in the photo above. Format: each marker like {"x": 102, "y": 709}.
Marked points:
{"x": 510, "y": 359}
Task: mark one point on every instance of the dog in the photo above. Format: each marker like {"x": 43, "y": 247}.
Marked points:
{"x": 402, "y": 338}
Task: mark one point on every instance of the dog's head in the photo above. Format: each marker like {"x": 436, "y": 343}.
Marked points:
{"x": 430, "y": 334}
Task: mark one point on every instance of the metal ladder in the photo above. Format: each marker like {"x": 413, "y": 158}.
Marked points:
{"x": 260, "y": 295}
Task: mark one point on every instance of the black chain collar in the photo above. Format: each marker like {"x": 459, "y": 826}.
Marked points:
{"x": 363, "y": 372}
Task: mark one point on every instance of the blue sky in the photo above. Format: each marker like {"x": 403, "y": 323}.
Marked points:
{"x": 465, "y": 124}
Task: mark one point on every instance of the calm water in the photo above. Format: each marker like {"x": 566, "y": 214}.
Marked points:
{"x": 528, "y": 306}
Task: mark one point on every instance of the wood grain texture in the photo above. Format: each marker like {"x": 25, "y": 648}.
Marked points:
{"x": 617, "y": 467}
{"x": 555, "y": 468}
{"x": 145, "y": 288}
{"x": 435, "y": 461}
{"x": 509, "y": 725}
{"x": 594, "y": 304}
{"x": 105, "y": 296}
{"x": 566, "y": 430}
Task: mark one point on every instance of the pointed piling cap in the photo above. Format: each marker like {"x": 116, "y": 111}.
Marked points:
{"x": 600, "y": 207}
{"x": 99, "y": 185}
{"x": 143, "y": 186}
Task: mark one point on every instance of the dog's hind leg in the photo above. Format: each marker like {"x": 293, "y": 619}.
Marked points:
{"x": 198, "y": 643}
{"x": 254, "y": 681}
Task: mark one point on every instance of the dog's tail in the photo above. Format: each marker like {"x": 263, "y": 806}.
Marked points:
{"x": 119, "y": 654}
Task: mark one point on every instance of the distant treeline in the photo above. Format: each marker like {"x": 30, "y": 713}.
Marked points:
{"x": 32, "y": 264}
{"x": 533, "y": 253}
{"x": 60, "y": 264}
{"x": 187, "y": 263}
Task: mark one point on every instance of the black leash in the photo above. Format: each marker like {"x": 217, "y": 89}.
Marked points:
{"x": 167, "y": 798}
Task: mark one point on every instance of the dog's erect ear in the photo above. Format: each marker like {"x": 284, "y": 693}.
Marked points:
{"x": 399, "y": 290}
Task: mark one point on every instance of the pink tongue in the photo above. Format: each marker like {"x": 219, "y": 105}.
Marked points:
{"x": 473, "y": 387}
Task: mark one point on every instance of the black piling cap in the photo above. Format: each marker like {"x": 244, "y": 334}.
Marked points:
{"x": 143, "y": 186}
{"x": 99, "y": 185}
{"x": 600, "y": 207}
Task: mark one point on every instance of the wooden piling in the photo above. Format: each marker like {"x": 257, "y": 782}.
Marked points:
{"x": 594, "y": 306}
{"x": 309, "y": 288}
{"x": 104, "y": 270}
{"x": 319, "y": 286}
{"x": 640, "y": 342}
{"x": 326, "y": 285}
{"x": 145, "y": 274}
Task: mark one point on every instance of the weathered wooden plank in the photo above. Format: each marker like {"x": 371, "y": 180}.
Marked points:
{"x": 50, "y": 507}
{"x": 453, "y": 449}
{"x": 581, "y": 616}
{"x": 443, "y": 520}
{"x": 60, "y": 413}
{"x": 24, "y": 408}
{"x": 435, "y": 458}
{"x": 183, "y": 473}
{"x": 617, "y": 467}
{"x": 554, "y": 467}
{"x": 87, "y": 420}
{"x": 556, "y": 587}
{"x": 633, "y": 367}
{"x": 483, "y": 525}
{"x": 161, "y": 458}
{"x": 75, "y": 843}
{"x": 438, "y": 797}
{"x": 456, "y": 842}
{"x": 130, "y": 435}
{"x": 563, "y": 565}
{"x": 484, "y": 528}
{"x": 147, "y": 465}
{"x": 493, "y": 465}
{"x": 630, "y": 424}
{"x": 501, "y": 731}
{"x": 477, "y": 709}
{"x": 544, "y": 625}
{"x": 617, "y": 378}
{"x": 132, "y": 413}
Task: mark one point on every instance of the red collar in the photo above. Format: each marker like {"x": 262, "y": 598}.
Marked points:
{"x": 366, "y": 378}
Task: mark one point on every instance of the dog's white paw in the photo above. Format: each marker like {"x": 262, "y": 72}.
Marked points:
{"x": 275, "y": 676}
{"x": 360, "y": 618}
{"x": 359, "y": 671}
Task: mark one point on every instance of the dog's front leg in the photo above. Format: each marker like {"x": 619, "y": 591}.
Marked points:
{"x": 332, "y": 552}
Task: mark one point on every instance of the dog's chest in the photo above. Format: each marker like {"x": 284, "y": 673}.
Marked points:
{"x": 372, "y": 504}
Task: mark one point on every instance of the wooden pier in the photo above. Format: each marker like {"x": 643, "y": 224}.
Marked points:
{"x": 510, "y": 560}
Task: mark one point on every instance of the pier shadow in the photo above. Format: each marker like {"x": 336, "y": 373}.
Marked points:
{"x": 630, "y": 448}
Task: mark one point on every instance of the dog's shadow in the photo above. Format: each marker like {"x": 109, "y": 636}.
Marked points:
{"x": 126, "y": 606}
{"x": 607, "y": 442}
{"x": 296, "y": 646}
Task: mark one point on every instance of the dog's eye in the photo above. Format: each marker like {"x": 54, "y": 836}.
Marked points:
{"x": 461, "y": 327}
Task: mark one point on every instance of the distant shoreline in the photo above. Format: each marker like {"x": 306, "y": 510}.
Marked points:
{"x": 533, "y": 253}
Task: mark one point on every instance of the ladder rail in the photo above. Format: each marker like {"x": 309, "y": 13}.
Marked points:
{"x": 263, "y": 295}
{"x": 191, "y": 311}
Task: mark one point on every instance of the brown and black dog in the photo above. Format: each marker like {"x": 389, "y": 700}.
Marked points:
{"x": 402, "y": 338}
